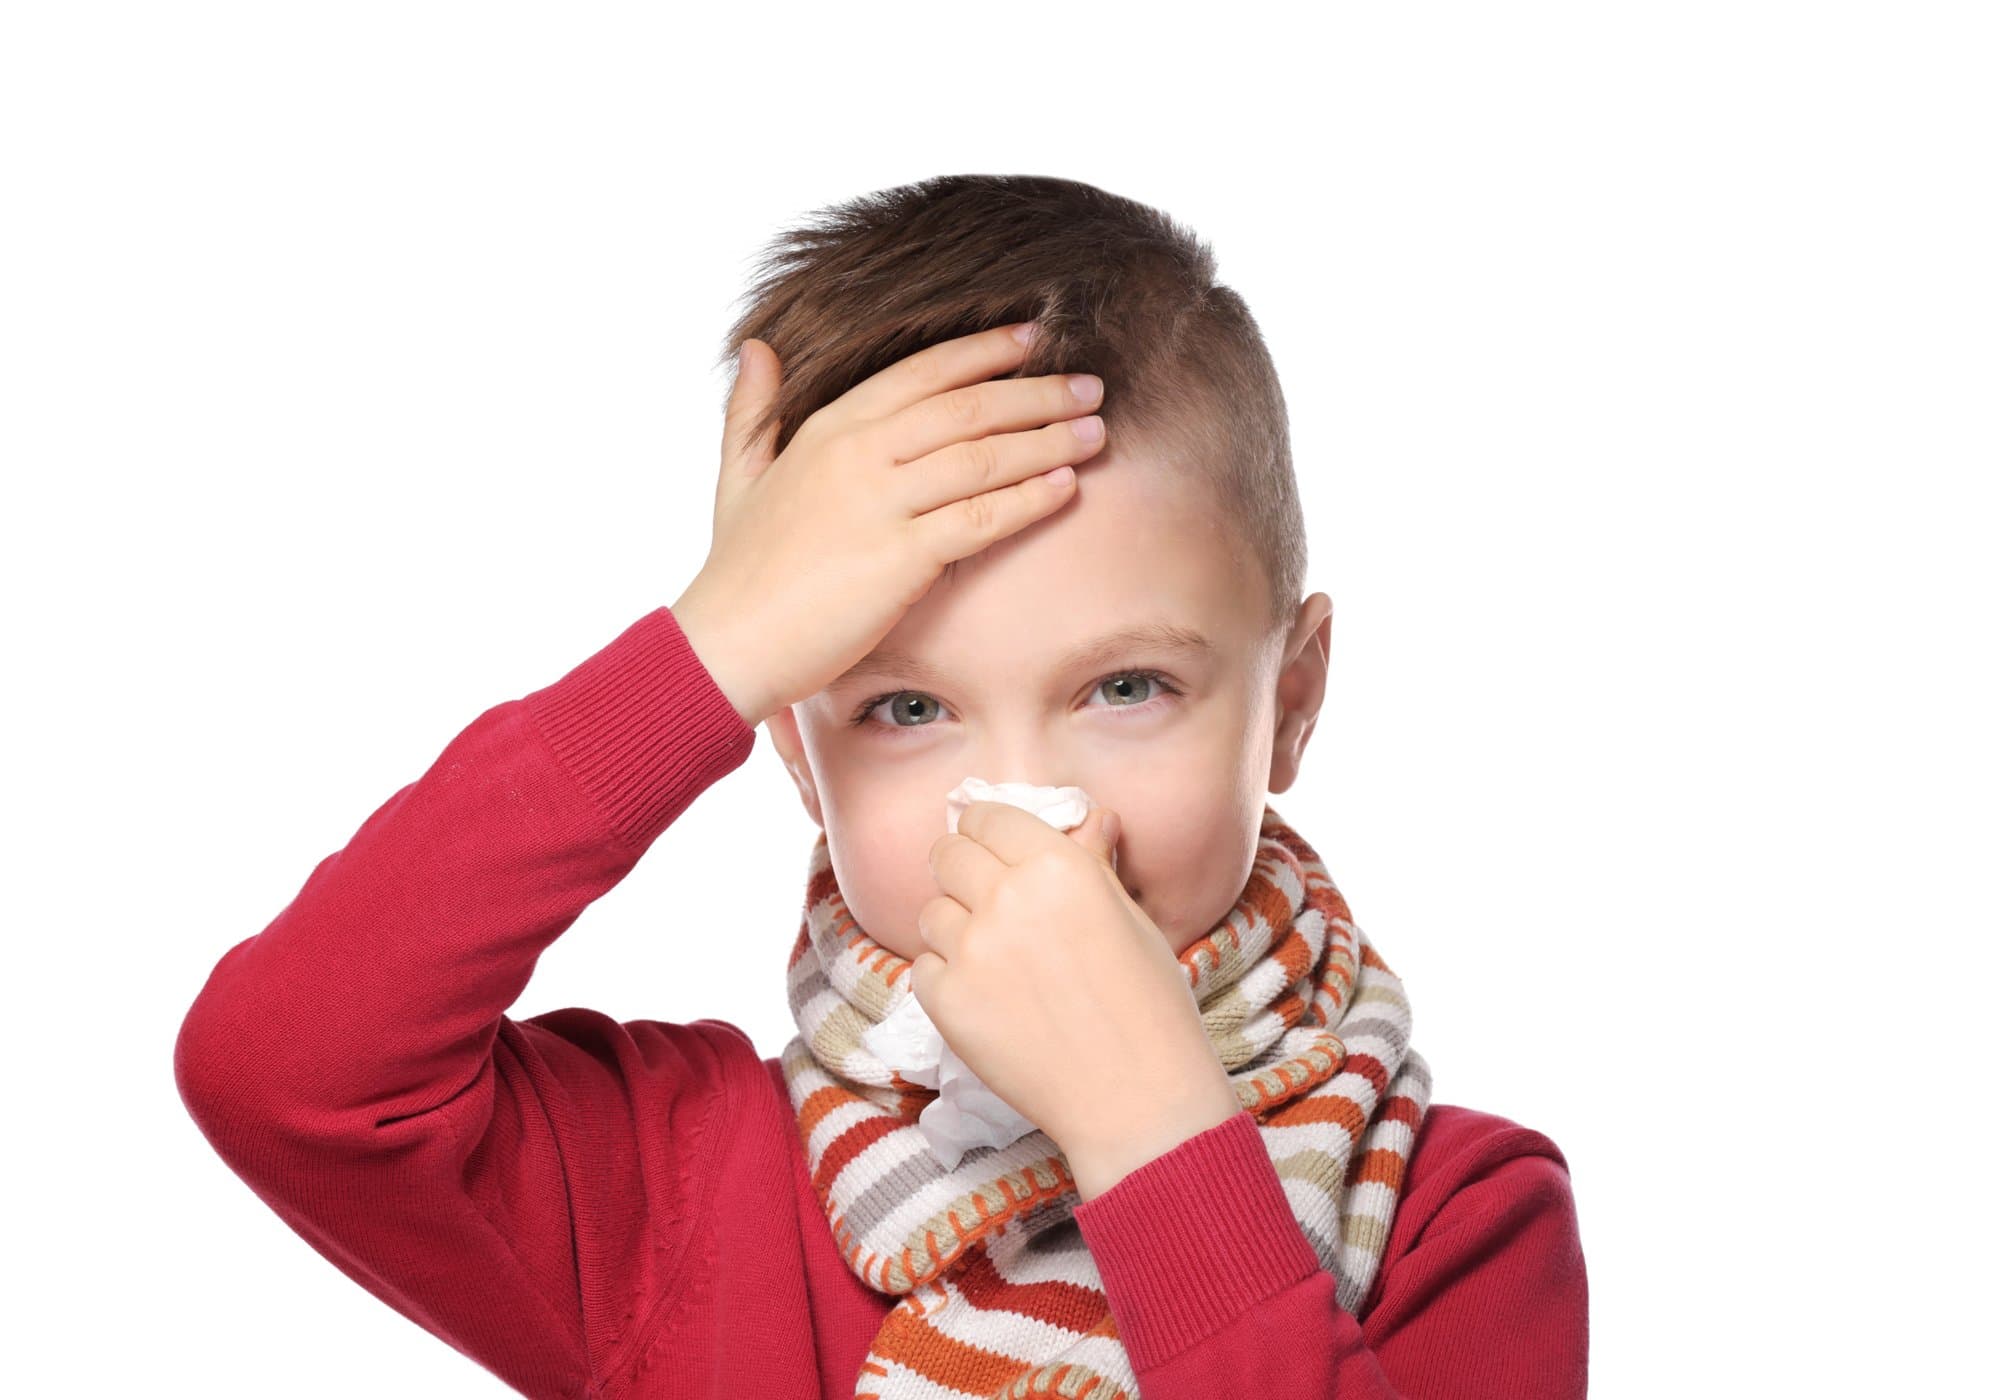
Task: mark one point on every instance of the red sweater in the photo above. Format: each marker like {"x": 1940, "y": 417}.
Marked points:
{"x": 589, "y": 1208}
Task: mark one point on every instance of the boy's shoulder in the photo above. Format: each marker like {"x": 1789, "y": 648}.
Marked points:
{"x": 1476, "y": 1183}
{"x": 1457, "y": 1145}
{"x": 1482, "y": 1164}
{"x": 1455, "y": 1138}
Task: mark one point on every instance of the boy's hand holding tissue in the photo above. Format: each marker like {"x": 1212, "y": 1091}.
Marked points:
{"x": 1062, "y": 995}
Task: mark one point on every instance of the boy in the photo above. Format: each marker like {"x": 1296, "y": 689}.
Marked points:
{"x": 1235, "y": 1178}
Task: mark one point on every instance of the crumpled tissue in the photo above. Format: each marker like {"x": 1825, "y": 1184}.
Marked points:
{"x": 965, "y": 1114}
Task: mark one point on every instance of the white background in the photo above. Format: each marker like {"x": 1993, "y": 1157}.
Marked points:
{"x": 358, "y": 375}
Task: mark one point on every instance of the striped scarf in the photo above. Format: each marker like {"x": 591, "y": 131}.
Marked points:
{"x": 1311, "y": 1026}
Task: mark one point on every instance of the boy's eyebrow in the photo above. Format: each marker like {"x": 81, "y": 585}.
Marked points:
{"x": 1156, "y": 636}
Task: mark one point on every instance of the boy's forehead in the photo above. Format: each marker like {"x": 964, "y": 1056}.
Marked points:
{"x": 1137, "y": 547}
{"x": 1132, "y": 519}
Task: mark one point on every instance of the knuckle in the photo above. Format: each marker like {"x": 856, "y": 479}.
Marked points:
{"x": 983, "y": 457}
{"x": 1056, "y": 867}
{"x": 925, "y": 371}
{"x": 827, "y": 423}
{"x": 963, "y": 406}
{"x": 979, "y": 513}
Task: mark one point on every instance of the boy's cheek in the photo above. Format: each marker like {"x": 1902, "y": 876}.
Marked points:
{"x": 1186, "y": 858}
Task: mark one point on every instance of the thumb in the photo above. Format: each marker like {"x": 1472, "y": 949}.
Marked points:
{"x": 1099, "y": 835}
{"x": 750, "y": 397}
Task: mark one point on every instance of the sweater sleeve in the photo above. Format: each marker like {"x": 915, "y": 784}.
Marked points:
{"x": 1216, "y": 1289}
{"x": 354, "y": 1064}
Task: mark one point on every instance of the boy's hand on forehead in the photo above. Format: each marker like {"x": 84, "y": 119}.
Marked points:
{"x": 819, "y": 550}
{"x": 1062, "y": 994}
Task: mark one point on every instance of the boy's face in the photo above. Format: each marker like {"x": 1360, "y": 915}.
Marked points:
{"x": 1188, "y": 774}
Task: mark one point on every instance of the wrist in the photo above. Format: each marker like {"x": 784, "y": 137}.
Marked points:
{"x": 711, "y": 649}
{"x": 1098, "y": 1164}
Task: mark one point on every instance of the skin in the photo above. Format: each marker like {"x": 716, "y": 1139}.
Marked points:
{"x": 1187, "y": 774}
{"x": 1034, "y": 951}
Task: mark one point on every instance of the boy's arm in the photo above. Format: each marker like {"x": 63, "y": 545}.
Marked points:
{"x": 1216, "y": 1289}
{"x": 354, "y": 1064}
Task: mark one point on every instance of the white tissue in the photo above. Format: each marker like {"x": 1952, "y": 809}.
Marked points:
{"x": 965, "y": 1114}
{"x": 1061, "y": 807}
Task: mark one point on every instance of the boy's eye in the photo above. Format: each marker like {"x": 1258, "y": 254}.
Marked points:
{"x": 1124, "y": 690}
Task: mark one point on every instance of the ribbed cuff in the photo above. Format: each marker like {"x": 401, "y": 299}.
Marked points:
{"x": 1191, "y": 1240}
{"x": 642, "y": 727}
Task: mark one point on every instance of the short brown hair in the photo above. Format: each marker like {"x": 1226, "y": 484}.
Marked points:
{"x": 1118, "y": 288}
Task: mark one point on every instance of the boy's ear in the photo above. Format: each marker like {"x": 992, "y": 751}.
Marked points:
{"x": 1301, "y": 689}
{"x": 783, "y": 727}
